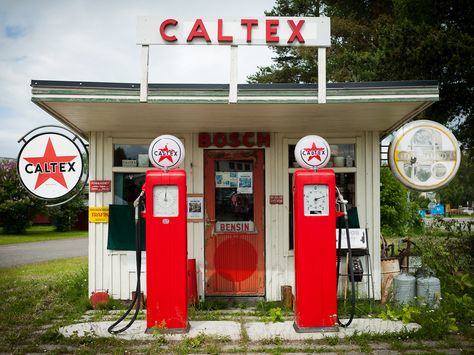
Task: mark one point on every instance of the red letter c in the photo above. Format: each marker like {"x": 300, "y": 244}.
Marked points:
{"x": 163, "y": 26}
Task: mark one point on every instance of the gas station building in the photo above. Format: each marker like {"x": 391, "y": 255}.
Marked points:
{"x": 240, "y": 235}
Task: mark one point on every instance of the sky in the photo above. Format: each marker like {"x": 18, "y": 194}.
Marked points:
{"x": 94, "y": 40}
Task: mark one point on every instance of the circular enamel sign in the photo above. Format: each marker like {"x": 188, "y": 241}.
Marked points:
{"x": 312, "y": 152}
{"x": 424, "y": 155}
{"x": 50, "y": 165}
{"x": 166, "y": 152}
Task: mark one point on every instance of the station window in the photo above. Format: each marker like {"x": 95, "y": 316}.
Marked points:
{"x": 131, "y": 155}
{"x": 344, "y": 164}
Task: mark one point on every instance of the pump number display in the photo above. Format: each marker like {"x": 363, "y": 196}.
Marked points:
{"x": 165, "y": 201}
{"x": 316, "y": 200}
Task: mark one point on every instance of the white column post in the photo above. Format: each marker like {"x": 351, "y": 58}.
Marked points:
{"x": 322, "y": 75}
{"x": 233, "y": 74}
{"x": 144, "y": 69}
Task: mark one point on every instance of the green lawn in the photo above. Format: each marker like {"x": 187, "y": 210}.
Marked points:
{"x": 38, "y": 234}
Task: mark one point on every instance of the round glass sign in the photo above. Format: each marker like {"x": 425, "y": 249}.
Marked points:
{"x": 424, "y": 155}
{"x": 166, "y": 152}
{"x": 312, "y": 152}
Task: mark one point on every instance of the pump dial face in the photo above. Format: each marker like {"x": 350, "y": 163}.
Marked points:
{"x": 165, "y": 201}
{"x": 316, "y": 200}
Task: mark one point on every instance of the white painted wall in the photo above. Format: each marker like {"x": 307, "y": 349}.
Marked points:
{"x": 110, "y": 270}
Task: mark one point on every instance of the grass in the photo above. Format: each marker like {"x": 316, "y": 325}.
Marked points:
{"x": 38, "y": 234}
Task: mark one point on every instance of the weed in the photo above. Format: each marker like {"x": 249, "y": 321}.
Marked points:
{"x": 272, "y": 341}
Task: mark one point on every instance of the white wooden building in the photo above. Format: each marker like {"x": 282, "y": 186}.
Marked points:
{"x": 119, "y": 128}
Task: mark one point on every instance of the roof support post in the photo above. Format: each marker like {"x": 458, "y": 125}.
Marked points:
{"x": 234, "y": 64}
{"x": 322, "y": 75}
{"x": 144, "y": 70}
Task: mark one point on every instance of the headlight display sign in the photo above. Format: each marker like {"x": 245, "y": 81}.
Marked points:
{"x": 424, "y": 155}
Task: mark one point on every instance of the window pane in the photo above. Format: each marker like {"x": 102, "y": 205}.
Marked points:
{"x": 234, "y": 191}
{"x": 131, "y": 155}
{"x": 342, "y": 155}
{"x": 127, "y": 187}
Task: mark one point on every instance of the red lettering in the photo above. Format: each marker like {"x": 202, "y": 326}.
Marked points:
{"x": 263, "y": 139}
{"x": 198, "y": 30}
{"x": 246, "y": 227}
{"x": 220, "y": 140}
{"x": 296, "y": 31}
{"x": 204, "y": 140}
{"x": 246, "y": 139}
{"x": 220, "y": 36}
{"x": 271, "y": 31}
{"x": 250, "y": 23}
{"x": 164, "y": 24}
{"x": 234, "y": 140}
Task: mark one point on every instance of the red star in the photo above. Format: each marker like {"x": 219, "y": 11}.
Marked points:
{"x": 165, "y": 150}
{"x": 315, "y": 150}
{"x": 50, "y": 157}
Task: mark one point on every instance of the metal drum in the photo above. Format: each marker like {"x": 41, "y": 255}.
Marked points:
{"x": 404, "y": 288}
{"x": 428, "y": 289}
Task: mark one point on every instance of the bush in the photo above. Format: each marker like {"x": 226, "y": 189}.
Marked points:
{"x": 17, "y": 208}
{"x": 64, "y": 217}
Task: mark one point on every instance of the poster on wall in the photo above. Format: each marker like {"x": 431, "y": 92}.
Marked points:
{"x": 226, "y": 179}
{"x": 245, "y": 183}
{"x": 195, "y": 207}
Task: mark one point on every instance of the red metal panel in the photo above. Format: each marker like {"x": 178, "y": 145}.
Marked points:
{"x": 166, "y": 261}
{"x": 315, "y": 255}
{"x": 234, "y": 261}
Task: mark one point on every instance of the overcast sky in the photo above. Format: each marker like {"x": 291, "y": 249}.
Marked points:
{"x": 94, "y": 40}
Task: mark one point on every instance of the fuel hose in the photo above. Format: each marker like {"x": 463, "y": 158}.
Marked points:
{"x": 138, "y": 258}
{"x": 343, "y": 202}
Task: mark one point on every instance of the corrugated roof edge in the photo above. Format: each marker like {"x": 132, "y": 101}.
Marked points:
{"x": 277, "y": 86}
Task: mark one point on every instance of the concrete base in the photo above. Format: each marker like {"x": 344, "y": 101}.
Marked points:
{"x": 256, "y": 331}
{"x": 315, "y": 329}
{"x": 168, "y": 330}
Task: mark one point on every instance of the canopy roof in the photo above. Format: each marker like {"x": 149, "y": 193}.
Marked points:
{"x": 186, "y": 108}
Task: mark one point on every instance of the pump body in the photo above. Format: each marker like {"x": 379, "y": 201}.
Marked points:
{"x": 166, "y": 249}
{"x": 315, "y": 252}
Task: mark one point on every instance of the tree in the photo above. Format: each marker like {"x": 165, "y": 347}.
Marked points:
{"x": 64, "y": 217}
{"x": 390, "y": 40}
{"x": 17, "y": 207}
{"x": 398, "y": 214}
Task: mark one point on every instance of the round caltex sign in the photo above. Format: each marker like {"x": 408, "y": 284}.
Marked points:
{"x": 312, "y": 152}
{"x": 166, "y": 152}
{"x": 424, "y": 155}
{"x": 50, "y": 165}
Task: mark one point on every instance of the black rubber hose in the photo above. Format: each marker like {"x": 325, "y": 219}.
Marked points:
{"x": 138, "y": 259}
{"x": 351, "y": 270}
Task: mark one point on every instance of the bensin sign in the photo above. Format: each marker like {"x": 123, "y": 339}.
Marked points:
{"x": 50, "y": 165}
{"x": 274, "y": 31}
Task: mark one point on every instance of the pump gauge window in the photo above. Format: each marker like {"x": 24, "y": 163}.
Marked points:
{"x": 316, "y": 200}
{"x": 165, "y": 201}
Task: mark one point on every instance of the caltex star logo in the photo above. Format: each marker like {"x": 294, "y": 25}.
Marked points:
{"x": 314, "y": 152}
{"x": 166, "y": 153}
{"x": 50, "y": 166}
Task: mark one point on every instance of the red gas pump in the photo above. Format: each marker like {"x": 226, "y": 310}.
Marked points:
{"x": 166, "y": 250}
{"x": 315, "y": 238}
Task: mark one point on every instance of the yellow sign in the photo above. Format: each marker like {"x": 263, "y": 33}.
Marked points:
{"x": 98, "y": 214}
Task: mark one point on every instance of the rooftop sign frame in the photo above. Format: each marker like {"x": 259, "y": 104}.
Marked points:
{"x": 269, "y": 31}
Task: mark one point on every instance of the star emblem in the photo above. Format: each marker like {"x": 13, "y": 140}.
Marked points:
{"x": 313, "y": 152}
{"x": 165, "y": 154}
{"x": 45, "y": 161}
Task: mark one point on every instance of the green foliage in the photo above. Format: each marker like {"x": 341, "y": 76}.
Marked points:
{"x": 398, "y": 215}
{"x": 64, "y": 217}
{"x": 461, "y": 188}
{"x": 17, "y": 207}
{"x": 390, "y": 40}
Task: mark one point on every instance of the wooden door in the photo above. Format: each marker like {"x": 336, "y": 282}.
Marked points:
{"x": 234, "y": 228}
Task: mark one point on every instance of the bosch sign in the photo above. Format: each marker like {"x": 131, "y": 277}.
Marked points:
{"x": 275, "y": 31}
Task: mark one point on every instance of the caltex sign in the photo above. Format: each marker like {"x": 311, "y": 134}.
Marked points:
{"x": 166, "y": 152}
{"x": 312, "y": 152}
{"x": 50, "y": 165}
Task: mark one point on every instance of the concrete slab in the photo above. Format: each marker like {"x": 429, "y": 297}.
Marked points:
{"x": 259, "y": 331}
{"x": 137, "y": 330}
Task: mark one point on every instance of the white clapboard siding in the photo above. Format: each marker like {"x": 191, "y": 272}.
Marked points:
{"x": 111, "y": 270}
